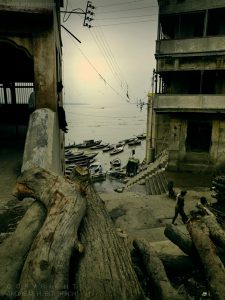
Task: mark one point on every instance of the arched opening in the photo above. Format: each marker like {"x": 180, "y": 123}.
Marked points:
{"x": 16, "y": 85}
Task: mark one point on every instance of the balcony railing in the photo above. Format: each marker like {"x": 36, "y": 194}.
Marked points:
{"x": 190, "y": 46}
{"x": 189, "y": 103}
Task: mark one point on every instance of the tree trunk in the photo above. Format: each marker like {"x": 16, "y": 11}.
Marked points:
{"x": 173, "y": 258}
{"x": 105, "y": 271}
{"x": 213, "y": 266}
{"x": 177, "y": 264}
{"x": 46, "y": 270}
{"x": 217, "y": 234}
{"x": 179, "y": 238}
{"x": 154, "y": 268}
{"x": 14, "y": 249}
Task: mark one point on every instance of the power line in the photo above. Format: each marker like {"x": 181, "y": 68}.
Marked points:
{"x": 104, "y": 53}
{"x": 105, "y": 81}
{"x": 150, "y": 20}
{"x": 126, "y": 17}
{"x": 112, "y": 61}
{"x": 127, "y": 9}
{"x": 118, "y": 4}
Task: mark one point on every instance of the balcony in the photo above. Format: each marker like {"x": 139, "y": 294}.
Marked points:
{"x": 189, "y": 103}
{"x": 178, "y": 6}
{"x": 190, "y": 47}
{"x": 26, "y": 5}
{"x": 25, "y": 16}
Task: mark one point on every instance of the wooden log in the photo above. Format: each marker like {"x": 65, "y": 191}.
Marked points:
{"x": 214, "y": 269}
{"x": 155, "y": 269}
{"x": 105, "y": 270}
{"x": 180, "y": 238}
{"x": 177, "y": 264}
{"x": 46, "y": 270}
{"x": 15, "y": 248}
{"x": 217, "y": 234}
{"x": 175, "y": 261}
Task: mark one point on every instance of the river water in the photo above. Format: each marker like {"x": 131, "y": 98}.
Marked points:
{"x": 109, "y": 124}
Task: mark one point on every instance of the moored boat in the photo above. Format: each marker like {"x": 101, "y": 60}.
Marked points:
{"x": 88, "y": 143}
{"x": 108, "y": 148}
{"x": 116, "y": 150}
{"x": 99, "y": 146}
{"x": 115, "y": 162}
{"x": 134, "y": 142}
{"x": 141, "y": 136}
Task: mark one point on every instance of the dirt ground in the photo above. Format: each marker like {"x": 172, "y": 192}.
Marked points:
{"x": 145, "y": 216}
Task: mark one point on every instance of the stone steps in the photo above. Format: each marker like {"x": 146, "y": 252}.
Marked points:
{"x": 152, "y": 177}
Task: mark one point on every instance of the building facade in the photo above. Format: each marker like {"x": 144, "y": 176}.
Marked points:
{"x": 189, "y": 84}
{"x": 31, "y": 55}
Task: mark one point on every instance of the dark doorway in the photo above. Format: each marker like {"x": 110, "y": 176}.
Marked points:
{"x": 198, "y": 136}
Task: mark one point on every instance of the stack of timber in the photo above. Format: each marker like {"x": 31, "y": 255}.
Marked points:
{"x": 66, "y": 246}
{"x": 202, "y": 261}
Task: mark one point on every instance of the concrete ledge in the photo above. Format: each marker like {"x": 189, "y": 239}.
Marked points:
{"x": 42, "y": 146}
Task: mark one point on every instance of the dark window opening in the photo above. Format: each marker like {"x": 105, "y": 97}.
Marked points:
{"x": 198, "y": 136}
{"x": 216, "y": 22}
{"x": 186, "y": 25}
{"x": 194, "y": 82}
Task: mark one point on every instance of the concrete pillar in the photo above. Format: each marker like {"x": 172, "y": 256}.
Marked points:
{"x": 42, "y": 147}
{"x": 45, "y": 70}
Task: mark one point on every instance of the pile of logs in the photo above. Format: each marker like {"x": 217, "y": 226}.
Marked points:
{"x": 66, "y": 247}
{"x": 219, "y": 189}
{"x": 202, "y": 246}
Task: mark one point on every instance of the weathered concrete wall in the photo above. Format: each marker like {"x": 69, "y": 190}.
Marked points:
{"x": 217, "y": 151}
{"x": 179, "y": 157}
{"x": 162, "y": 131}
{"x": 45, "y": 70}
{"x": 42, "y": 146}
{"x": 191, "y": 63}
{"x": 194, "y": 45}
{"x": 190, "y": 103}
{"x": 174, "y": 6}
{"x": 177, "y": 149}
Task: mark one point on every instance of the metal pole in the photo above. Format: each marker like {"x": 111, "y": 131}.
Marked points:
{"x": 149, "y": 143}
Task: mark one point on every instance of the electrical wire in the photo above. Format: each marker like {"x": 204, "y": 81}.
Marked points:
{"x": 122, "y": 3}
{"x": 95, "y": 69}
{"x": 104, "y": 53}
{"x": 116, "y": 24}
{"x": 126, "y": 17}
{"x": 110, "y": 58}
{"x": 127, "y": 9}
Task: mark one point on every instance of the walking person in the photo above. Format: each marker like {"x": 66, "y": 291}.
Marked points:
{"x": 179, "y": 208}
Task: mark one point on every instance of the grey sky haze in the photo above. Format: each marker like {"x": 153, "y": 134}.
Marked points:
{"x": 116, "y": 55}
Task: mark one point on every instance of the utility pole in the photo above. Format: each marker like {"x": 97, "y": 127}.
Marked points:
{"x": 150, "y": 150}
{"x": 88, "y": 14}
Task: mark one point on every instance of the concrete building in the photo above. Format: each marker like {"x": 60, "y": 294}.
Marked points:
{"x": 30, "y": 54}
{"x": 189, "y": 84}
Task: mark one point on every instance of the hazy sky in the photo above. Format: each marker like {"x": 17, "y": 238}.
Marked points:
{"x": 115, "y": 57}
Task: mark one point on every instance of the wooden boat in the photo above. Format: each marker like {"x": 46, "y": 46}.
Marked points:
{"x": 82, "y": 158}
{"x": 70, "y": 146}
{"x": 88, "y": 143}
{"x": 120, "y": 144}
{"x": 116, "y": 150}
{"x": 72, "y": 154}
{"x": 99, "y": 146}
{"x": 141, "y": 136}
{"x": 95, "y": 167}
{"x": 116, "y": 162}
{"x": 108, "y": 148}
{"x": 134, "y": 142}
